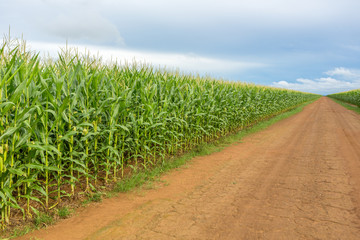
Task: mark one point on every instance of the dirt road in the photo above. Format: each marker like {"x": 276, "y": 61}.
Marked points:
{"x": 298, "y": 179}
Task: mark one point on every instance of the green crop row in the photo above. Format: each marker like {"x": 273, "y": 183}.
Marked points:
{"x": 352, "y": 97}
{"x": 72, "y": 123}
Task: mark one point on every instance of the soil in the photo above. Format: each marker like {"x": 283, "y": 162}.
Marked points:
{"x": 298, "y": 179}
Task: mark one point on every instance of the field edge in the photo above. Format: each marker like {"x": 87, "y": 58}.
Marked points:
{"x": 347, "y": 105}
{"x": 144, "y": 178}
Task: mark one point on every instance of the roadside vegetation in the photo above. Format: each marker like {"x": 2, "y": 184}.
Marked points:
{"x": 352, "y": 97}
{"x": 347, "y": 105}
{"x": 73, "y": 125}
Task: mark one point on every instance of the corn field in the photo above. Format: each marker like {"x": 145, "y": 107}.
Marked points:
{"x": 352, "y": 97}
{"x": 73, "y": 122}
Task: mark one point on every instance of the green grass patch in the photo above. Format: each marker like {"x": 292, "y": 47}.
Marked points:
{"x": 93, "y": 197}
{"x": 20, "y": 231}
{"x": 64, "y": 212}
{"x": 43, "y": 219}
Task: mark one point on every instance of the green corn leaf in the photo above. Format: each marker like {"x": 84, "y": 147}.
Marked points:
{"x": 16, "y": 171}
{"x": 39, "y": 189}
{"x": 9, "y": 132}
{"x": 35, "y": 166}
{"x": 31, "y": 198}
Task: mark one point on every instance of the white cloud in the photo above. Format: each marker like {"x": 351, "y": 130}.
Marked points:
{"x": 275, "y": 11}
{"x": 84, "y": 25}
{"x": 344, "y": 73}
{"x": 290, "y": 35}
{"x": 190, "y": 62}
{"x": 347, "y": 79}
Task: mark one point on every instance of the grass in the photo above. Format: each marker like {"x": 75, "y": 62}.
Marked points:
{"x": 20, "y": 231}
{"x": 43, "y": 219}
{"x": 93, "y": 197}
{"x": 146, "y": 177}
{"x": 348, "y": 106}
{"x": 64, "y": 212}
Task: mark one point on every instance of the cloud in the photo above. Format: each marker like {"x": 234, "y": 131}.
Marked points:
{"x": 346, "y": 79}
{"x": 292, "y": 37}
{"x": 344, "y": 73}
{"x": 84, "y": 25}
{"x": 189, "y": 63}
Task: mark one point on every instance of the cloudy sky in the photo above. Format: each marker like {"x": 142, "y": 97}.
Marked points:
{"x": 307, "y": 45}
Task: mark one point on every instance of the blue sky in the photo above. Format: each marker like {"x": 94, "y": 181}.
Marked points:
{"x": 308, "y": 45}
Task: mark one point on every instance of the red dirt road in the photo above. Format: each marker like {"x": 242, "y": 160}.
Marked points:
{"x": 298, "y": 179}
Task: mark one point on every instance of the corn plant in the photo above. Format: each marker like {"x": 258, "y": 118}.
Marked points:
{"x": 70, "y": 124}
{"x": 352, "y": 97}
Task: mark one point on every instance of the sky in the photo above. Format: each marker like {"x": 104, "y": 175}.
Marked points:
{"x": 308, "y": 45}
